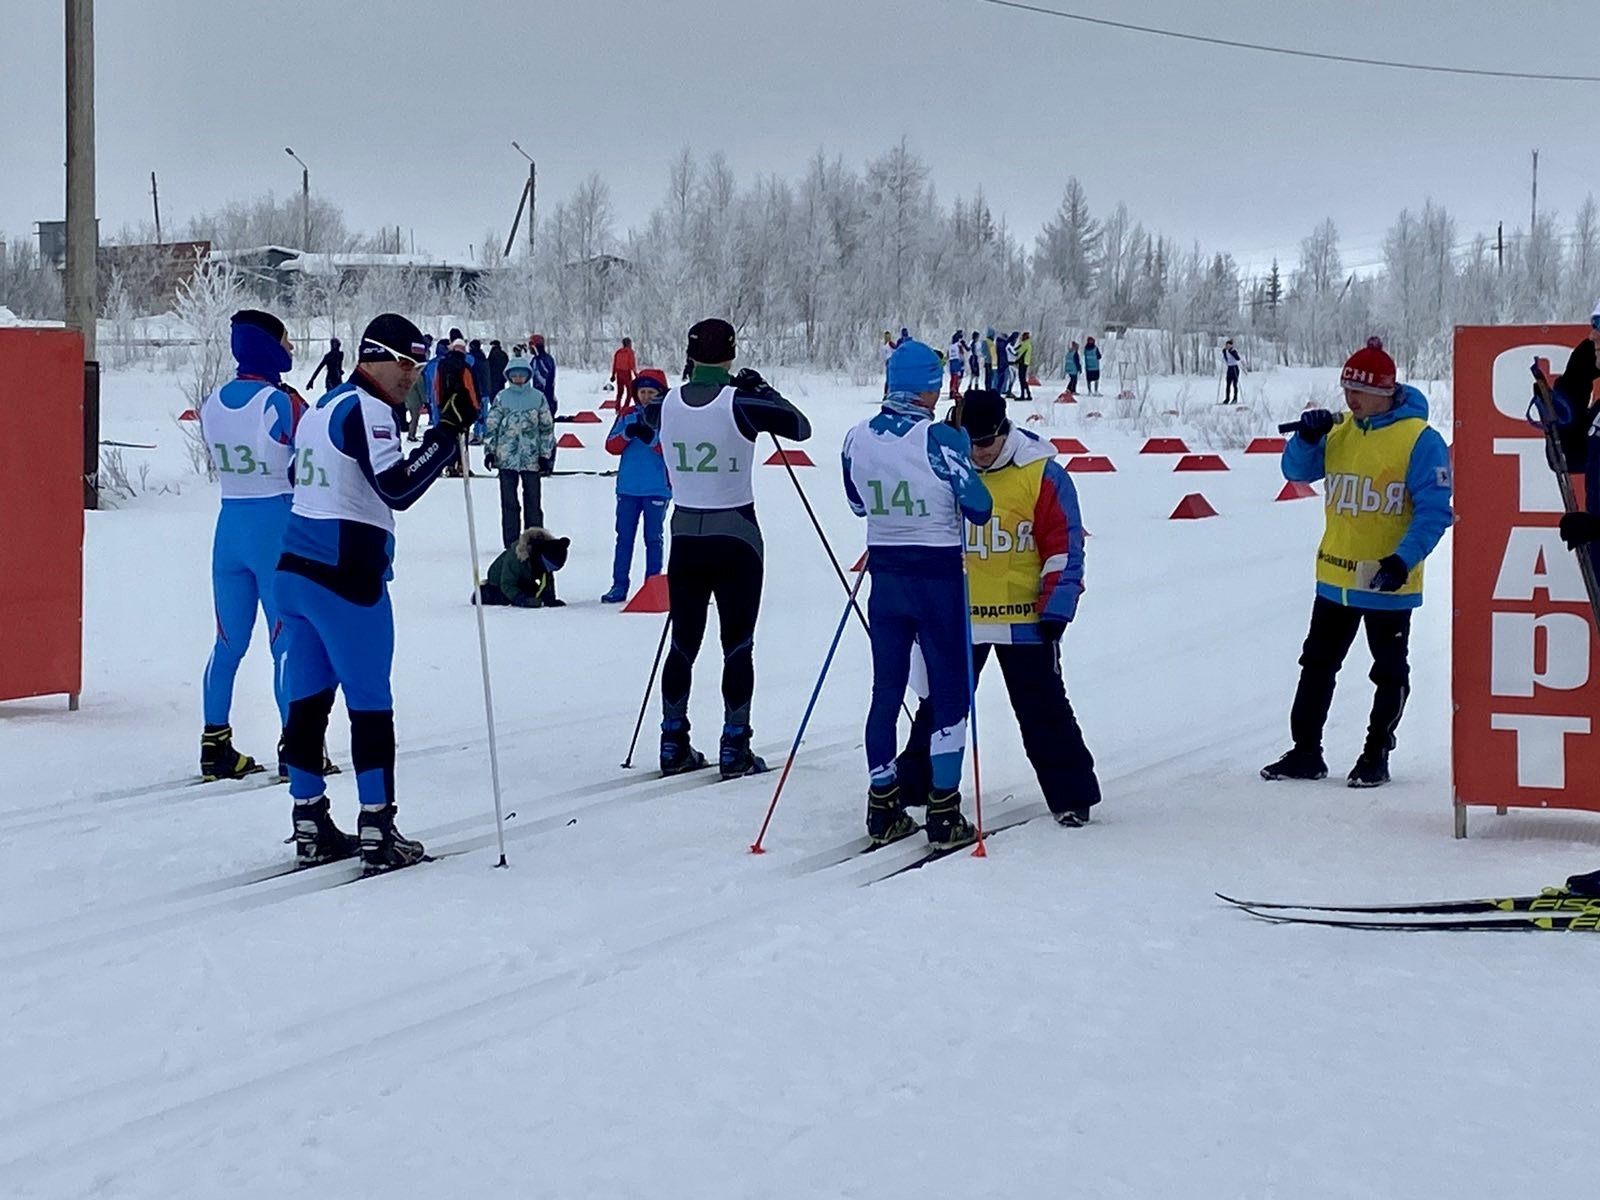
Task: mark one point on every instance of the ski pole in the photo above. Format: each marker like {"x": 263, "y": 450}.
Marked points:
{"x": 627, "y": 763}
{"x": 972, "y": 710}
{"x": 799, "y": 734}
{"x": 483, "y": 648}
{"x": 828, "y": 546}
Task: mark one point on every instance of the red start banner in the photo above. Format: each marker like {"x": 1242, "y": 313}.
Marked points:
{"x": 1527, "y": 716}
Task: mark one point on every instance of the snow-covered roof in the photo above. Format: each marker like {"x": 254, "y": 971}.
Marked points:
{"x": 328, "y": 264}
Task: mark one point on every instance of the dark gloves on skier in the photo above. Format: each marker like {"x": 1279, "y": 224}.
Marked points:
{"x": 750, "y": 383}
{"x": 1315, "y": 424}
{"x": 1051, "y": 629}
{"x": 457, "y": 412}
{"x": 488, "y": 460}
{"x": 641, "y": 432}
{"x": 1391, "y": 574}
{"x": 1579, "y": 529}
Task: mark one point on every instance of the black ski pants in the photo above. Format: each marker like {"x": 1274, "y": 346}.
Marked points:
{"x": 1230, "y": 391}
{"x": 1333, "y": 631}
{"x": 728, "y": 569}
{"x": 1051, "y": 736}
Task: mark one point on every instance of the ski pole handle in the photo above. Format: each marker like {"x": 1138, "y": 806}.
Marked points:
{"x": 1289, "y": 427}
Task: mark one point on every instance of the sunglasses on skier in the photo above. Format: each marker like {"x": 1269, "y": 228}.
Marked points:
{"x": 1005, "y": 428}
{"x": 405, "y": 360}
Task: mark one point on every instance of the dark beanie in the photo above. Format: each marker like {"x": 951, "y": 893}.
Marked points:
{"x": 983, "y": 413}
{"x": 389, "y": 334}
{"x": 712, "y": 341}
{"x": 261, "y": 320}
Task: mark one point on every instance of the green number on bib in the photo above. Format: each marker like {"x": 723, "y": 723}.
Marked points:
{"x": 900, "y": 498}
{"x": 307, "y": 473}
{"x": 221, "y": 456}
{"x": 708, "y": 458}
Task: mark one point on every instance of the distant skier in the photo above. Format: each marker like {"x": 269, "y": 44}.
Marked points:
{"x": 914, "y": 482}
{"x": 973, "y": 356}
{"x": 643, "y": 491}
{"x": 333, "y": 363}
{"x": 989, "y": 359}
{"x": 1231, "y": 366}
{"x": 498, "y": 358}
{"x": 1026, "y": 573}
{"x": 624, "y": 365}
{"x": 957, "y": 359}
{"x": 1387, "y": 500}
{"x": 1091, "y": 366}
{"x": 248, "y": 425}
{"x": 885, "y": 349}
{"x": 333, "y": 590}
{"x": 708, "y": 433}
{"x": 1073, "y": 366}
{"x": 544, "y": 370}
{"x": 1024, "y": 356}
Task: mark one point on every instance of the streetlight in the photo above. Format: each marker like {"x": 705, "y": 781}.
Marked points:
{"x": 305, "y": 201}
{"x": 533, "y": 191}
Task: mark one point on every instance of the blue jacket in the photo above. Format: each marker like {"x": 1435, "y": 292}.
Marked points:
{"x": 641, "y": 471}
{"x": 1427, "y": 485}
{"x": 1091, "y": 358}
{"x": 1074, "y": 363}
{"x": 544, "y": 375}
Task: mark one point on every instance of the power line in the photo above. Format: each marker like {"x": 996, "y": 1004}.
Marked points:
{"x": 1435, "y": 68}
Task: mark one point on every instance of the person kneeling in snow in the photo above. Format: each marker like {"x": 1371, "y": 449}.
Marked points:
{"x": 524, "y": 576}
{"x": 1387, "y": 499}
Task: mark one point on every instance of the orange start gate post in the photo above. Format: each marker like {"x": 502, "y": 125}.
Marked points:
{"x": 41, "y": 520}
{"x": 1526, "y": 729}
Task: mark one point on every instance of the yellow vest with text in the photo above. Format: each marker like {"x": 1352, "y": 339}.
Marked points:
{"x": 1365, "y": 498}
{"x": 1004, "y": 569}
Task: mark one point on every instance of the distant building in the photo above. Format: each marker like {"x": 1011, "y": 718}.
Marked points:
{"x": 279, "y": 270}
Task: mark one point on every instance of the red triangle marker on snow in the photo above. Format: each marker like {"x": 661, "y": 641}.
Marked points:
{"x": 1201, "y": 462}
{"x": 797, "y": 458}
{"x": 1064, "y": 397}
{"x": 1266, "y": 445}
{"x": 861, "y": 564}
{"x": 569, "y": 441}
{"x": 1090, "y": 463}
{"x": 1192, "y": 507}
{"x": 1069, "y": 446}
{"x": 609, "y": 402}
{"x": 1296, "y": 491}
{"x": 1165, "y": 445}
{"x": 650, "y": 598}
{"x": 188, "y": 414}
{"x": 587, "y": 418}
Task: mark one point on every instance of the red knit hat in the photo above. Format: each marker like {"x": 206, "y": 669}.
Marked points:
{"x": 1369, "y": 370}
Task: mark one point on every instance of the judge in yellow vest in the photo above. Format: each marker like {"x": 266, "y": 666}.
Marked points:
{"x": 1024, "y": 575}
{"x": 1386, "y": 491}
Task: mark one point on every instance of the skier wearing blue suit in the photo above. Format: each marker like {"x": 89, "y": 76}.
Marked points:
{"x": 333, "y": 591}
{"x": 248, "y": 425}
{"x": 914, "y": 482}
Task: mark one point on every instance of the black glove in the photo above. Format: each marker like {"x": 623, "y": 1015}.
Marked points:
{"x": 1579, "y": 529}
{"x": 488, "y": 461}
{"x": 547, "y": 467}
{"x": 1315, "y": 423}
{"x": 750, "y": 383}
{"x": 641, "y": 432}
{"x": 1391, "y": 575}
{"x": 457, "y": 412}
{"x": 1051, "y": 629}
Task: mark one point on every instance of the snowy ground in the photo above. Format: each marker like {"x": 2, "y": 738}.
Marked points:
{"x": 641, "y": 1008}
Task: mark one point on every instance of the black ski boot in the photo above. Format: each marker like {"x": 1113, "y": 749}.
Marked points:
{"x": 677, "y": 756}
{"x": 1371, "y": 770}
{"x": 947, "y": 828}
{"x": 218, "y": 758}
{"x": 329, "y": 767}
{"x": 317, "y": 839}
{"x": 887, "y": 819}
{"x": 1072, "y": 818}
{"x": 1297, "y": 764}
{"x": 734, "y": 759}
{"x": 383, "y": 847}
{"x": 1584, "y": 885}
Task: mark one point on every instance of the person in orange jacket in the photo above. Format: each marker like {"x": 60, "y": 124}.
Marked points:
{"x": 623, "y": 368}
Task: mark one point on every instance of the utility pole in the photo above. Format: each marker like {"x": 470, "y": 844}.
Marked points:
{"x": 1500, "y": 244}
{"x": 1533, "y": 221}
{"x": 305, "y": 201}
{"x": 83, "y": 239}
{"x": 155, "y": 203}
{"x": 533, "y": 193}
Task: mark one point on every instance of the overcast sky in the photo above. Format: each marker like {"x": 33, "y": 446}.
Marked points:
{"x": 405, "y": 110}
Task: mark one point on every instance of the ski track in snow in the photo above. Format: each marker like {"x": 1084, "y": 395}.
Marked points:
{"x": 639, "y": 1007}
